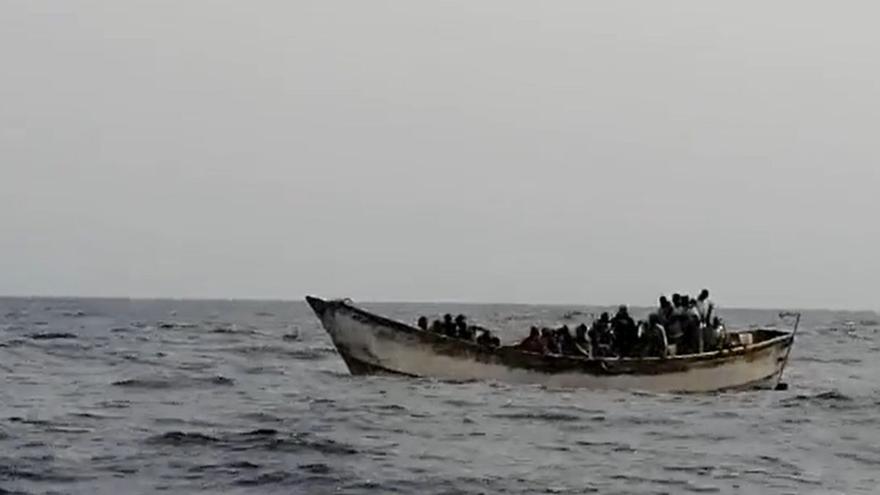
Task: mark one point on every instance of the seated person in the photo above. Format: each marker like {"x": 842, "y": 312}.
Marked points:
{"x": 626, "y": 333}
{"x": 461, "y": 328}
{"x": 486, "y": 339}
{"x": 567, "y": 344}
{"x": 600, "y": 337}
{"x": 710, "y": 338}
{"x": 548, "y": 336}
{"x": 723, "y": 340}
{"x": 533, "y": 343}
{"x": 674, "y": 334}
{"x": 690, "y": 327}
{"x": 449, "y": 326}
{"x": 423, "y": 323}
{"x": 653, "y": 339}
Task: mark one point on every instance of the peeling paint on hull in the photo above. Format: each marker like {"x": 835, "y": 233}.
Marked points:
{"x": 372, "y": 344}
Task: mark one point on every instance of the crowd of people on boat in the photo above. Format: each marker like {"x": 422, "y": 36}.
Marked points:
{"x": 459, "y": 328}
{"x": 682, "y": 325}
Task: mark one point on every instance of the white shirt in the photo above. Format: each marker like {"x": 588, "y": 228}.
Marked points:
{"x": 705, "y": 307}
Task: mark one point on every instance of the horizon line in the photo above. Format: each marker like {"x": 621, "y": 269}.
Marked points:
{"x": 389, "y": 301}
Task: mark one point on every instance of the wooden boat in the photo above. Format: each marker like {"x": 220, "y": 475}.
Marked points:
{"x": 373, "y": 344}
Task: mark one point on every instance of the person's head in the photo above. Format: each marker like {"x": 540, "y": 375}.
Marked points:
{"x": 460, "y": 319}
{"x": 685, "y": 300}
{"x": 533, "y": 332}
{"x": 447, "y": 318}
{"x": 622, "y": 309}
{"x": 664, "y": 303}
{"x": 423, "y": 322}
{"x": 564, "y": 331}
{"x": 676, "y": 299}
{"x": 604, "y": 316}
{"x": 581, "y": 331}
{"x": 653, "y": 319}
{"x": 704, "y": 294}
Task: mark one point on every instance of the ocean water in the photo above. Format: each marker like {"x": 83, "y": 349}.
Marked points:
{"x": 117, "y": 396}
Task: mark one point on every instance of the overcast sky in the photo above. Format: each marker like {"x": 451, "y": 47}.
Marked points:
{"x": 566, "y": 151}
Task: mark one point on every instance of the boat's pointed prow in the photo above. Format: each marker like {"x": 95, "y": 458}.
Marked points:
{"x": 319, "y": 306}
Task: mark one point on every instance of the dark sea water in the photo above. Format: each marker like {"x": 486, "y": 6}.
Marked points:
{"x": 115, "y": 396}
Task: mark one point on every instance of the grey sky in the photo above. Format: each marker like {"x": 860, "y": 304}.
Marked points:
{"x": 566, "y": 151}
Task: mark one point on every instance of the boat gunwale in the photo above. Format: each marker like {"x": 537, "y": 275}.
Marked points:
{"x": 783, "y": 337}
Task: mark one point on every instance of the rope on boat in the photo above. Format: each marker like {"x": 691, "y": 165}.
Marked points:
{"x": 797, "y": 321}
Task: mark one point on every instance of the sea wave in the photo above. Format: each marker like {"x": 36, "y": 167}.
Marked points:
{"x": 52, "y": 335}
{"x": 161, "y": 383}
{"x": 260, "y": 439}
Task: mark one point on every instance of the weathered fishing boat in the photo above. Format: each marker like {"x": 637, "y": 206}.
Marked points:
{"x": 373, "y": 344}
